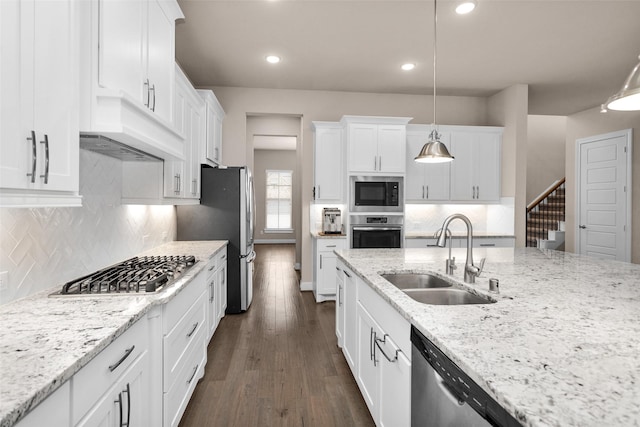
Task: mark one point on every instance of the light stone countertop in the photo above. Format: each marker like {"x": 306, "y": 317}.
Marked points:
{"x": 479, "y": 235}
{"x": 560, "y": 347}
{"x": 45, "y": 340}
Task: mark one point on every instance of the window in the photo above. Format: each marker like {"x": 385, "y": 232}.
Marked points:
{"x": 278, "y": 205}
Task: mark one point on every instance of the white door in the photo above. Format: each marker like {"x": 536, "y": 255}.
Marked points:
{"x": 604, "y": 188}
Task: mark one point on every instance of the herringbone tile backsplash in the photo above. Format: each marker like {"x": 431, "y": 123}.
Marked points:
{"x": 41, "y": 248}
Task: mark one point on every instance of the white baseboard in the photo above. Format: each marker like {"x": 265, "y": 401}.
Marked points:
{"x": 273, "y": 241}
{"x": 306, "y": 286}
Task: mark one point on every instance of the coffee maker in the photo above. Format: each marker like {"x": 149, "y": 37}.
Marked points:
{"x": 331, "y": 221}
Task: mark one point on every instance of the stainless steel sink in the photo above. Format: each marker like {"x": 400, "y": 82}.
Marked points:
{"x": 449, "y": 296}
{"x": 416, "y": 281}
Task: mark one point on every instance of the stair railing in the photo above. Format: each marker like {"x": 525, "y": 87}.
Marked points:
{"x": 537, "y": 217}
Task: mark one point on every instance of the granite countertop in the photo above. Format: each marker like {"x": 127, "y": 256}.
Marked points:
{"x": 321, "y": 235}
{"x": 560, "y": 347}
{"x": 461, "y": 235}
{"x": 45, "y": 340}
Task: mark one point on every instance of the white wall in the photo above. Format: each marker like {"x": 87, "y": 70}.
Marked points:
{"x": 590, "y": 123}
{"x": 545, "y": 153}
{"x": 238, "y": 103}
{"x": 279, "y": 160}
{"x": 42, "y": 248}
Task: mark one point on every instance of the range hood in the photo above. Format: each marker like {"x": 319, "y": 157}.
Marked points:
{"x": 112, "y": 148}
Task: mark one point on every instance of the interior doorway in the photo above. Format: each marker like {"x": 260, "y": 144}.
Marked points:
{"x": 274, "y": 142}
{"x": 604, "y": 195}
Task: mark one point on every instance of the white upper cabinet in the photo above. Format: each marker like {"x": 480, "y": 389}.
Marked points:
{"x": 214, "y": 114}
{"x": 39, "y": 99}
{"x": 376, "y": 145}
{"x": 424, "y": 181}
{"x": 475, "y": 172}
{"x": 328, "y": 169}
{"x": 127, "y": 73}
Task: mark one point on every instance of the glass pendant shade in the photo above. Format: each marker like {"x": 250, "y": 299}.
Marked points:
{"x": 434, "y": 151}
{"x": 628, "y": 98}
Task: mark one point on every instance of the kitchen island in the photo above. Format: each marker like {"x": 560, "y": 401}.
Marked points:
{"x": 45, "y": 340}
{"x": 560, "y": 346}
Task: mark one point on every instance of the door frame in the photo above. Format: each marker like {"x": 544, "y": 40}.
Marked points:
{"x": 628, "y": 133}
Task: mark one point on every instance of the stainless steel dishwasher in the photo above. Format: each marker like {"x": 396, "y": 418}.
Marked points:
{"x": 442, "y": 395}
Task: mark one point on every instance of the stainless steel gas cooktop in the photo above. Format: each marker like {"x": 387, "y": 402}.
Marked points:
{"x": 135, "y": 276}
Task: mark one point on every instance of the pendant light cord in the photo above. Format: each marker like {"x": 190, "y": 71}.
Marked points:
{"x": 435, "y": 23}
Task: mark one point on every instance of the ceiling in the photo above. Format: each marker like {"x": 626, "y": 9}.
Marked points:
{"x": 573, "y": 54}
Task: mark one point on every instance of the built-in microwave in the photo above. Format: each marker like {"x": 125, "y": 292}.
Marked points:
{"x": 376, "y": 194}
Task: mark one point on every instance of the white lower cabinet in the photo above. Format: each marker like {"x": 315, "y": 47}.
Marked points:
{"x": 339, "y": 305}
{"x": 114, "y": 388}
{"x": 54, "y": 410}
{"x": 376, "y": 337}
{"x": 216, "y": 291}
{"x": 324, "y": 281}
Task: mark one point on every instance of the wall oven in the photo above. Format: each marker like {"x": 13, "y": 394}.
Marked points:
{"x": 376, "y": 194}
{"x": 376, "y": 231}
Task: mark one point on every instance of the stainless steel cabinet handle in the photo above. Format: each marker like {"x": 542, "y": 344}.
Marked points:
{"x": 427, "y": 191}
{"x": 478, "y": 192}
{"x": 380, "y": 163}
{"x": 127, "y": 353}
{"x": 195, "y": 188}
{"x": 423, "y": 192}
{"x": 153, "y": 89}
{"x": 193, "y": 329}
{"x": 320, "y": 261}
{"x": 128, "y": 391}
{"x": 217, "y": 151}
{"x": 318, "y": 192}
{"x": 119, "y": 403}
{"x": 211, "y": 290}
{"x": 583, "y": 226}
{"x": 193, "y": 374}
{"x": 371, "y": 338}
{"x": 383, "y": 340}
{"x": 340, "y": 296}
{"x": 347, "y": 274}
{"x": 46, "y": 159}
{"x": 34, "y": 157}
{"x": 331, "y": 246}
{"x": 146, "y": 84}
{"x": 487, "y": 244}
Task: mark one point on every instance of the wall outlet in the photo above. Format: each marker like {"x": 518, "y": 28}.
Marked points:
{"x": 4, "y": 281}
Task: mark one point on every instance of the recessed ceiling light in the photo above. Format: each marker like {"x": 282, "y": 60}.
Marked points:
{"x": 273, "y": 59}
{"x": 466, "y": 6}
{"x": 408, "y": 66}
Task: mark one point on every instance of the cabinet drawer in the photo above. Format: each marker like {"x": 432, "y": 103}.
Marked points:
{"x": 184, "y": 339}
{"x": 177, "y": 307}
{"x": 103, "y": 371}
{"x": 177, "y": 398}
{"x": 389, "y": 320}
{"x": 330, "y": 244}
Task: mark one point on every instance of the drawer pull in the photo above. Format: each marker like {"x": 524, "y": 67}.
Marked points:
{"x": 347, "y": 274}
{"x": 212, "y": 267}
{"x": 193, "y": 374}
{"x": 331, "y": 246}
{"x": 487, "y": 244}
{"x": 195, "y": 326}
{"x": 119, "y": 362}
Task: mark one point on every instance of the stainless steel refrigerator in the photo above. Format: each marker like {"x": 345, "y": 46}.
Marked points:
{"x": 226, "y": 212}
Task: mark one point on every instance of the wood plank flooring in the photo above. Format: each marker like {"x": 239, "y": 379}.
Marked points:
{"x": 277, "y": 364}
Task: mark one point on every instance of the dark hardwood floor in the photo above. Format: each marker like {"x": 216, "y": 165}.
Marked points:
{"x": 277, "y": 364}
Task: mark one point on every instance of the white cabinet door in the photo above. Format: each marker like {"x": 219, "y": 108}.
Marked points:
{"x": 122, "y": 50}
{"x": 391, "y": 148}
{"x": 395, "y": 386}
{"x": 328, "y": 169}
{"x": 326, "y": 276}
{"x": 126, "y": 402}
{"x": 475, "y": 172}
{"x": 350, "y": 348}
{"x": 39, "y": 149}
{"x": 339, "y": 275}
{"x": 367, "y": 362}
{"x": 222, "y": 286}
{"x": 424, "y": 181}
{"x": 54, "y": 410}
{"x": 363, "y": 148}
{"x": 174, "y": 179}
{"x": 213, "y": 116}
{"x": 160, "y": 59}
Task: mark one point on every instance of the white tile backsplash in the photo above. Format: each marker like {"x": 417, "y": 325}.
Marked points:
{"x": 44, "y": 247}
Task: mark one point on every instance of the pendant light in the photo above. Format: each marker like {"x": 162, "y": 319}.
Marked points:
{"x": 628, "y": 98}
{"x": 434, "y": 151}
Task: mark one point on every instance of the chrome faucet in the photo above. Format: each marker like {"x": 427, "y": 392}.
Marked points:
{"x": 470, "y": 270}
{"x": 450, "y": 265}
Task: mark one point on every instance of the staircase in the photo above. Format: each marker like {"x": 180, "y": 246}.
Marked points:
{"x": 545, "y": 218}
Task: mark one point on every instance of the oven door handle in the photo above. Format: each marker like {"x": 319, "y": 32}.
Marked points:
{"x": 377, "y": 228}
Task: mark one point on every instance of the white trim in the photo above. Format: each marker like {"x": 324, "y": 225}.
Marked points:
{"x": 278, "y": 230}
{"x": 628, "y": 133}
{"x": 306, "y": 286}
{"x": 273, "y": 241}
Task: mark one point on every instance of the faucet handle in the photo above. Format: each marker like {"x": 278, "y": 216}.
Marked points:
{"x": 481, "y": 266}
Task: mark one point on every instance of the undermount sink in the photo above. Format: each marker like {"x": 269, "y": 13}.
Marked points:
{"x": 448, "y": 296}
{"x": 431, "y": 289}
{"x": 416, "y": 280}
